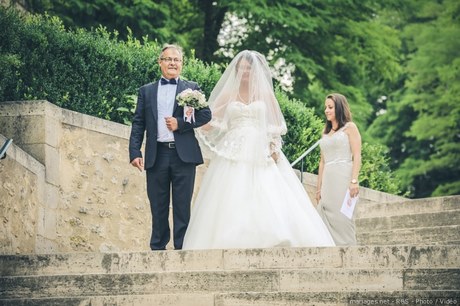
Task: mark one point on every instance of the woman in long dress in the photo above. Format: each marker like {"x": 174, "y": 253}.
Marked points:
{"x": 250, "y": 197}
{"x": 338, "y": 169}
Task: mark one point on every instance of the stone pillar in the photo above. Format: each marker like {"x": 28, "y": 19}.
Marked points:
{"x": 34, "y": 126}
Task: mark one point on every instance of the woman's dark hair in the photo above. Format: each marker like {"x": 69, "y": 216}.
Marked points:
{"x": 342, "y": 111}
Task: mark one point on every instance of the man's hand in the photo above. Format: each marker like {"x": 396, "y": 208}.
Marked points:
{"x": 189, "y": 111}
{"x": 138, "y": 163}
{"x": 171, "y": 123}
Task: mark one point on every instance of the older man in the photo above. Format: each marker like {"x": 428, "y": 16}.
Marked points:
{"x": 172, "y": 151}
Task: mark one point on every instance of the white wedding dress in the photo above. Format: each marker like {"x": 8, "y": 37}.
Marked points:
{"x": 246, "y": 200}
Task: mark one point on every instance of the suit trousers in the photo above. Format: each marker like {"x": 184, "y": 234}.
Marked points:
{"x": 169, "y": 176}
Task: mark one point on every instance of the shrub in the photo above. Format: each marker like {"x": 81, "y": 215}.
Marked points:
{"x": 375, "y": 170}
{"x": 205, "y": 75}
{"x": 304, "y": 129}
{"x": 88, "y": 72}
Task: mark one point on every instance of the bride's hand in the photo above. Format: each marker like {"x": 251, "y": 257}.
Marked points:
{"x": 206, "y": 127}
{"x": 275, "y": 156}
{"x": 318, "y": 196}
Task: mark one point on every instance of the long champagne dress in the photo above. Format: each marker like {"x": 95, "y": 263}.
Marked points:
{"x": 335, "y": 182}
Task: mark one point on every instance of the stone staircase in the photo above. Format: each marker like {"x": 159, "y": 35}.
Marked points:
{"x": 291, "y": 276}
{"x": 409, "y": 251}
{"x": 430, "y": 221}
{"x": 410, "y": 255}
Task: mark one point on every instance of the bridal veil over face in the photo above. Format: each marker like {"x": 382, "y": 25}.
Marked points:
{"x": 246, "y": 80}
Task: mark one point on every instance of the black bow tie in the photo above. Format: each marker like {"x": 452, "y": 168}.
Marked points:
{"x": 166, "y": 82}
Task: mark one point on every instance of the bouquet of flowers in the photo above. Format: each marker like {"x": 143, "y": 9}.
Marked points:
{"x": 190, "y": 100}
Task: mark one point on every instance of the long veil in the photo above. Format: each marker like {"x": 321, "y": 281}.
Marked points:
{"x": 247, "y": 79}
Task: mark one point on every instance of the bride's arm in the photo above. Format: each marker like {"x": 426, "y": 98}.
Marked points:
{"x": 206, "y": 127}
{"x": 275, "y": 147}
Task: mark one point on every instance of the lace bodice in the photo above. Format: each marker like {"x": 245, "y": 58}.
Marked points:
{"x": 245, "y": 133}
{"x": 245, "y": 115}
{"x": 336, "y": 147}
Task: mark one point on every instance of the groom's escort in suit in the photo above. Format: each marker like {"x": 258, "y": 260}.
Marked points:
{"x": 171, "y": 157}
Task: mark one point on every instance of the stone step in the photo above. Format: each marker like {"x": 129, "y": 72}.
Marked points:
{"x": 441, "y": 235}
{"x": 377, "y": 224}
{"x": 396, "y": 257}
{"x": 119, "y": 300}
{"x": 205, "y": 282}
{"x": 427, "y": 205}
{"x": 338, "y": 298}
{"x": 255, "y": 299}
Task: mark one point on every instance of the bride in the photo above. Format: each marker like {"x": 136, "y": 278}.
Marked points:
{"x": 250, "y": 197}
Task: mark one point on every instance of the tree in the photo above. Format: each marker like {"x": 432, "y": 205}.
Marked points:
{"x": 142, "y": 17}
{"x": 194, "y": 24}
{"x": 342, "y": 46}
{"x": 213, "y": 14}
{"x": 422, "y": 123}
{"x": 339, "y": 46}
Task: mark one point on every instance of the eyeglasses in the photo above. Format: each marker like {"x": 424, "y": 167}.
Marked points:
{"x": 170, "y": 59}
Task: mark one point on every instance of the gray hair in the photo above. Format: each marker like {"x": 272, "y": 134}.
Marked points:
{"x": 171, "y": 46}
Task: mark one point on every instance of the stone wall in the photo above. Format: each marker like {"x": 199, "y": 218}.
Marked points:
{"x": 103, "y": 204}
{"x": 92, "y": 199}
{"x": 22, "y": 186}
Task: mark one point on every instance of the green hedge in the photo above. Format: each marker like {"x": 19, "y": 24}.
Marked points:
{"x": 304, "y": 129}
{"x": 86, "y": 71}
{"x": 94, "y": 73}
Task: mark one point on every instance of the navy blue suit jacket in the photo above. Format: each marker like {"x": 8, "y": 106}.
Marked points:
{"x": 145, "y": 120}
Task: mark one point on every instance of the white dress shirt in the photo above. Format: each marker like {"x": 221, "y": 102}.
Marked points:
{"x": 166, "y": 97}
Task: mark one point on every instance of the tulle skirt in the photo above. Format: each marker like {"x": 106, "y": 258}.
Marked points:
{"x": 243, "y": 204}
